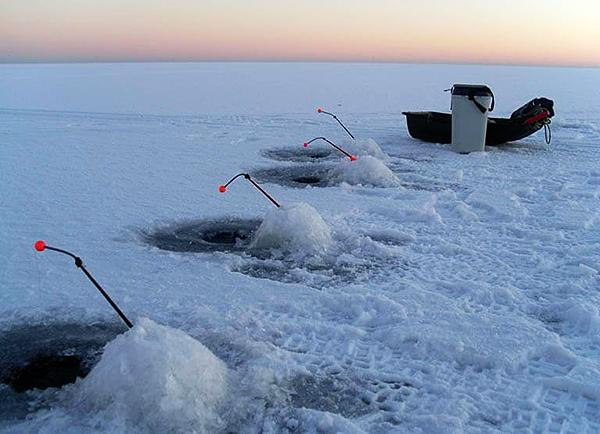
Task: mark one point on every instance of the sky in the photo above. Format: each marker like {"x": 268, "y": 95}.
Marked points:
{"x": 527, "y": 32}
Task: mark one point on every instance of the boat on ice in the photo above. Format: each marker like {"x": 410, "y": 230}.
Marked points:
{"x": 436, "y": 127}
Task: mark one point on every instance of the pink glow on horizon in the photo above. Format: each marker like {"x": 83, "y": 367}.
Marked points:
{"x": 267, "y": 30}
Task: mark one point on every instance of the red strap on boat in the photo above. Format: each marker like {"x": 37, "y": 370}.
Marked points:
{"x": 540, "y": 116}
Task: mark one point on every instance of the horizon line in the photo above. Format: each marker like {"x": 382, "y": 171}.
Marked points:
{"x": 349, "y": 61}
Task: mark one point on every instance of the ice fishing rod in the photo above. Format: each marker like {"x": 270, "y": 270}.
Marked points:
{"x": 320, "y": 110}
{"x": 351, "y": 157}
{"x": 40, "y": 246}
{"x": 223, "y": 188}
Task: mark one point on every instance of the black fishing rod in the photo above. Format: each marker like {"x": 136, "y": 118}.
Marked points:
{"x": 320, "y": 110}
{"x": 351, "y": 157}
{"x": 223, "y": 188}
{"x": 40, "y": 246}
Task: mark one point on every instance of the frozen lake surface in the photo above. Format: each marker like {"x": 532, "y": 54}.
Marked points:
{"x": 425, "y": 291}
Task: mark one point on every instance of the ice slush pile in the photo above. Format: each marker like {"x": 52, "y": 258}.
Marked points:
{"x": 367, "y": 170}
{"x": 297, "y": 229}
{"x": 367, "y": 146}
{"x": 158, "y": 378}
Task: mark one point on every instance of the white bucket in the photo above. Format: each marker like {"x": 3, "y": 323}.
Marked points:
{"x": 470, "y": 107}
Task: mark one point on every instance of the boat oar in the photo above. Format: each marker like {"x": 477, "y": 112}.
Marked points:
{"x": 40, "y": 246}
{"x": 320, "y": 110}
{"x": 351, "y": 157}
{"x": 223, "y": 188}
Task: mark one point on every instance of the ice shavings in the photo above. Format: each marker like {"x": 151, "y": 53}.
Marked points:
{"x": 297, "y": 229}
{"x": 364, "y": 147}
{"x": 367, "y": 170}
{"x": 159, "y": 378}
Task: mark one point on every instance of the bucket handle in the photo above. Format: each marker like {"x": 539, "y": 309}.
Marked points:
{"x": 480, "y": 106}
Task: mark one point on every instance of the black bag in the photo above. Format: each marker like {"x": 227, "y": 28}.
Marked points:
{"x": 534, "y": 107}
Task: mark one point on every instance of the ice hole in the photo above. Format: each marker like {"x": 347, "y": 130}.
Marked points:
{"x": 300, "y": 176}
{"x": 41, "y": 356}
{"x": 300, "y": 154}
{"x": 227, "y": 234}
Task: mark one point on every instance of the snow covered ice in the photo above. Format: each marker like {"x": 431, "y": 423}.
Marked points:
{"x": 453, "y": 293}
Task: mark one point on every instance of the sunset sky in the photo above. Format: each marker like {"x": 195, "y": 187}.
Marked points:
{"x": 540, "y": 32}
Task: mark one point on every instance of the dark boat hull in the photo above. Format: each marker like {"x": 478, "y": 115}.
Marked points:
{"x": 436, "y": 127}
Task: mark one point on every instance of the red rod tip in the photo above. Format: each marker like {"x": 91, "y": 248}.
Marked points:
{"x": 222, "y": 189}
{"x": 319, "y": 109}
{"x": 353, "y": 158}
{"x": 305, "y": 145}
{"x": 40, "y": 246}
